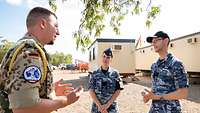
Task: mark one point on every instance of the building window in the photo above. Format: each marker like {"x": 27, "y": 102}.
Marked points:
{"x": 117, "y": 47}
{"x": 143, "y": 51}
{"x": 192, "y": 40}
{"x": 189, "y": 40}
{"x": 90, "y": 56}
{"x": 93, "y": 53}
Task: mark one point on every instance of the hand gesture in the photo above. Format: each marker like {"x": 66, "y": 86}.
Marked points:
{"x": 74, "y": 95}
{"x": 62, "y": 89}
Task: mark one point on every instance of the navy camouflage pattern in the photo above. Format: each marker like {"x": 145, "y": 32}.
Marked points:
{"x": 167, "y": 76}
{"x": 104, "y": 86}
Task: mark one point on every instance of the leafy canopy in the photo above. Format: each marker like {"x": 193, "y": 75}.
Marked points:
{"x": 92, "y": 22}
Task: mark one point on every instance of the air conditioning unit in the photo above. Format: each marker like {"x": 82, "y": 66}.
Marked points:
{"x": 116, "y": 47}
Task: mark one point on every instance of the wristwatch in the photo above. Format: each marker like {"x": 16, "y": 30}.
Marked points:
{"x": 162, "y": 98}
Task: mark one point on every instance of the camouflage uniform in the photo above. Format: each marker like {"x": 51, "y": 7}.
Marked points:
{"x": 167, "y": 76}
{"x": 104, "y": 86}
{"x": 22, "y": 87}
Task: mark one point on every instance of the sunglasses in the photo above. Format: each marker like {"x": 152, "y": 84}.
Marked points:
{"x": 156, "y": 40}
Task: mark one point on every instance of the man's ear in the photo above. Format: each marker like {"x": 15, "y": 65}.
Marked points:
{"x": 166, "y": 41}
{"x": 43, "y": 23}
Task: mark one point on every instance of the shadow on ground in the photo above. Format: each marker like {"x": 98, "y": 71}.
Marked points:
{"x": 82, "y": 81}
{"x": 194, "y": 89}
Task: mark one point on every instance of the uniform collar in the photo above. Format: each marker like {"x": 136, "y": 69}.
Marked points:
{"x": 167, "y": 58}
{"x": 30, "y": 36}
{"x": 109, "y": 69}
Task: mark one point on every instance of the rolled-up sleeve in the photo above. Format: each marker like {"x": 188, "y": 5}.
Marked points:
{"x": 26, "y": 81}
{"x": 119, "y": 82}
{"x": 180, "y": 75}
{"x": 24, "y": 98}
{"x": 91, "y": 84}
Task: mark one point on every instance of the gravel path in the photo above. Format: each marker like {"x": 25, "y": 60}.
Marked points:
{"x": 130, "y": 100}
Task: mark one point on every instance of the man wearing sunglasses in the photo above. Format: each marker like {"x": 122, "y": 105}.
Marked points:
{"x": 105, "y": 85}
{"x": 169, "y": 78}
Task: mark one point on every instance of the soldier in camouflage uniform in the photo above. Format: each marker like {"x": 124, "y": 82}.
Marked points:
{"x": 169, "y": 78}
{"x": 104, "y": 86}
{"x": 25, "y": 76}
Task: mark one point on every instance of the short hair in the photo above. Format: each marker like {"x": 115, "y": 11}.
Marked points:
{"x": 35, "y": 13}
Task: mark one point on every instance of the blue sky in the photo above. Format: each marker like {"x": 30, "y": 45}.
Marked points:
{"x": 12, "y": 20}
{"x": 177, "y": 18}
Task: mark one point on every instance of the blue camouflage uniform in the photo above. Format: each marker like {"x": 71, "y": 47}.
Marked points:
{"x": 104, "y": 86}
{"x": 167, "y": 76}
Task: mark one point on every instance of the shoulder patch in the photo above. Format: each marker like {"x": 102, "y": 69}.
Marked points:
{"x": 32, "y": 74}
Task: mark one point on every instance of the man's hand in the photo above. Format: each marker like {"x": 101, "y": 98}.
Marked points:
{"x": 79, "y": 90}
{"x": 62, "y": 89}
{"x": 147, "y": 95}
{"x": 73, "y": 96}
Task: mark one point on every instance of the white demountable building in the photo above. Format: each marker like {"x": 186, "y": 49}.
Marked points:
{"x": 185, "y": 48}
{"x": 123, "y": 54}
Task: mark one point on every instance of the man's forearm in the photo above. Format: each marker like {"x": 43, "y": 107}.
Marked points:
{"x": 176, "y": 95}
{"x": 44, "y": 106}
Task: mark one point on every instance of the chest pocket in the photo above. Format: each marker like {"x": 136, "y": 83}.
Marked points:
{"x": 163, "y": 77}
{"x": 166, "y": 74}
{"x": 109, "y": 85}
{"x": 105, "y": 85}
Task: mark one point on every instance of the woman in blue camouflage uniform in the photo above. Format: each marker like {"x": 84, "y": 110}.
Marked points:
{"x": 169, "y": 78}
{"x": 104, "y": 86}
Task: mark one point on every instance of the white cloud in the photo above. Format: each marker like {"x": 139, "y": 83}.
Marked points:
{"x": 14, "y": 2}
{"x": 34, "y": 3}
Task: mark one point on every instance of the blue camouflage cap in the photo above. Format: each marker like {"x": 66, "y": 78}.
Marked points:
{"x": 108, "y": 52}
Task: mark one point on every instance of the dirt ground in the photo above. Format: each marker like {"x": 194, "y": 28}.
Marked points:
{"x": 129, "y": 101}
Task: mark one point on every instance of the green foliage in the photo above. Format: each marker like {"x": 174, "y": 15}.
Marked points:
{"x": 58, "y": 58}
{"x": 53, "y": 5}
{"x": 5, "y": 45}
{"x": 152, "y": 15}
{"x": 97, "y": 11}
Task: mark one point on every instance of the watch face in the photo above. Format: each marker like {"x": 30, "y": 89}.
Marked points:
{"x": 161, "y": 98}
